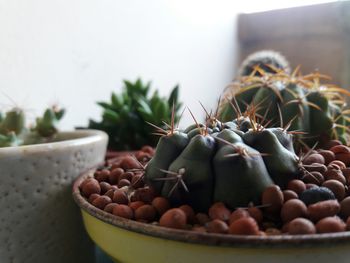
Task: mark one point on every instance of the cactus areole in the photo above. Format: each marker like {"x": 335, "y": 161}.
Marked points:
{"x": 229, "y": 162}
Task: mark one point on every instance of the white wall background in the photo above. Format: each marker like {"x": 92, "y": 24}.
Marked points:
{"x": 75, "y": 52}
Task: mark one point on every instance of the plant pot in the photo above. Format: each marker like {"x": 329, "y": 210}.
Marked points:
{"x": 38, "y": 220}
{"x": 130, "y": 241}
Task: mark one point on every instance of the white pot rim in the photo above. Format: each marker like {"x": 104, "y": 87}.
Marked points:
{"x": 65, "y": 139}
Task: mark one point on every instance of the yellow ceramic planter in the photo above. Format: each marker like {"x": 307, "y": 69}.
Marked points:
{"x": 130, "y": 241}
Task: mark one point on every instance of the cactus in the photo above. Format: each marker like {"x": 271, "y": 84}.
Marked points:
{"x": 125, "y": 115}
{"x": 303, "y": 103}
{"x": 13, "y": 130}
{"x": 228, "y": 162}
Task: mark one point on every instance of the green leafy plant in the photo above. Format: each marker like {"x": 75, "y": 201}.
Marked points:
{"x": 14, "y": 132}
{"x": 126, "y": 115}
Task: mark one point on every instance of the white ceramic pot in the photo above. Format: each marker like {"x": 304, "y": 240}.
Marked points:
{"x": 38, "y": 219}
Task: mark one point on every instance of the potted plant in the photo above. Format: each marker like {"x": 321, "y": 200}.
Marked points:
{"x": 129, "y": 116}
{"x": 39, "y": 222}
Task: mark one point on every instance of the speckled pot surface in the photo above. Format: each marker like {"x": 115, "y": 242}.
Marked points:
{"x": 38, "y": 220}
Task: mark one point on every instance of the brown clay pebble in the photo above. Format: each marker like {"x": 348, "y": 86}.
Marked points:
{"x": 102, "y": 175}
{"x": 244, "y": 226}
{"x": 143, "y": 156}
{"x": 145, "y": 194}
{"x": 316, "y": 167}
{"x": 340, "y": 149}
{"x": 292, "y": 209}
{"x": 93, "y": 197}
{"x": 330, "y": 225}
{"x": 335, "y": 175}
{"x": 148, "y": 149}
{"x": 91, "y": 187}
{"x": 130, "y": 162}
{"x": 101, "y": 201}
{"x": 255, "y": 213}
{"x": 110, "y": 193}
{"x": 114, "y": 175}
{"x": 109, "y": 208}
{"x": 146, "y": 213}
{"x": 202, "y": 218}
{"x": 301, "y": 226}
{"x": 346, "y": 173}
{"x": 237, "y": 214}
{"x": 323, "y": 209}
{"x": 136, "y": 204}
{"x": 120, "y": 197}
{"x": 348, "y": 224}
{"x": 161, "y": 204}
{"x": 332, "y": 143}
{"x": 127, "y": 175}
{"x": 314, "y": 158}
{"x": 104, "y": 187}
{"x": 343, "y": 157}
{"x": 313, "y": 178}
{"x": 137, "y": 181}
{"x": 273, "y": 197}
{"x": 327, "y": 155}
{"x": 123, "y": 182}
{"x": 336, "y": 187}
{"x": 339, "y": 163}
{"x": 219, "y": 211}
{"x": 217, "y": 226}
{"x": 191, "y": 216}
{"x": 123, "y": 211}
{"x": 289, "y": 194}
{"x": 173, "y": 218}
{"x": 297, "y": 186}
{"x": 345, "y": 207}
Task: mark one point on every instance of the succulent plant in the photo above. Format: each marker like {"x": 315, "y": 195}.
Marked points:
{"x": 125, "y": 117}
{"x": 231, "y": 162}
{"x": 14, "y": 132}
{"x": 262, "y": 59}
{"x": 303, "y": 103}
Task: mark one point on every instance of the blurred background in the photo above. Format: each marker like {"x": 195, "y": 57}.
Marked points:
{"x": 76, "y": 52}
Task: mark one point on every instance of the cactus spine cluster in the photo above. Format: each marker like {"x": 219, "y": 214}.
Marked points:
{"x": 231, "y": 162}
{"x": 304, "y": 102}
{"x": 14, "y": 132}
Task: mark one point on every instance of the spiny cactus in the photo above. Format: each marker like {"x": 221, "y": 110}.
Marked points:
{"x": 13, "y": 130}
{"x": 304, "y": 102}
{"x": 231, "y": 162}
{"x": 124, "y": 117}
{"x": 262, "y": 59}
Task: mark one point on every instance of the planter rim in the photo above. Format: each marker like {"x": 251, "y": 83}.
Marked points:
{"x": 66, "y": 139}
{"x": 234, "y": 241}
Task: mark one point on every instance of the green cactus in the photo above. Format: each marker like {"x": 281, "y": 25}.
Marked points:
{"x": 299, "y": 103}
{"x": 13, "y": 130}
{"x": 227, "y": 163}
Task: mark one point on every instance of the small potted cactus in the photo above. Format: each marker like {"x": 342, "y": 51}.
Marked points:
{"x": 39, "y": 222}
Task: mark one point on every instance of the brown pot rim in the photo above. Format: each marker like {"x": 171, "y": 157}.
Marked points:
{"x": 234, "y": 241}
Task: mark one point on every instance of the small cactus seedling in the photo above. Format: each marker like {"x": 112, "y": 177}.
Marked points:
{"x": 13, "y": 130}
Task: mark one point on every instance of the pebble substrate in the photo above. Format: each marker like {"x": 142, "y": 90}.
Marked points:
{"x": 318, "y": 202}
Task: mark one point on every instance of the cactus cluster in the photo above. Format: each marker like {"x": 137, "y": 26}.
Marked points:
{"x": 303, "y": 102}
{"x": 124, "y": 117}
{"x": 231, "y": 162}
{"x": 14, "y": 132}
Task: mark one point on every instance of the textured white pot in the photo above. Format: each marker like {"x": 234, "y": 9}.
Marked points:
{"x": 39, "y": 221}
